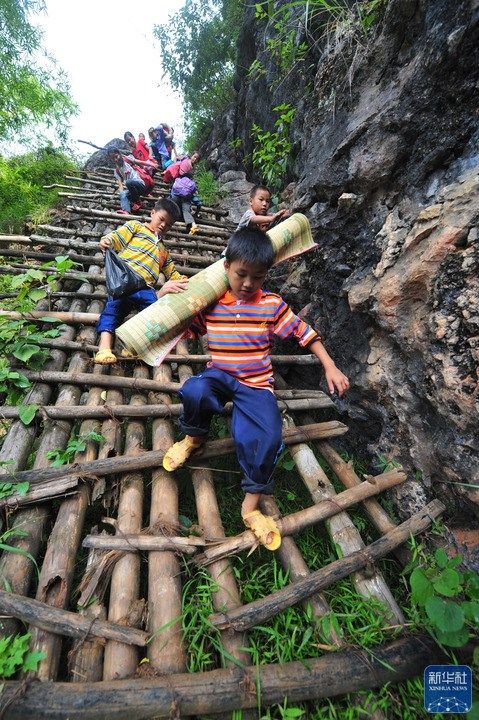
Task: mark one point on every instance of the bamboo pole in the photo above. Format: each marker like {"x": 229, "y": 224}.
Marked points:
{"x": 62, "y": 622}
{"x": 173, "y": 358}
{"x": 121, "y": 661}
{"x": 178, "y": 241}
{"x": 90, "y": 260}
{"x": 166, "y": 652}
{"x": 196, "y": 240}
{"x": 346, "y": 474}
{"x": 131, "y": 543}
{"x": 78, "y": 318}
{"x": 85, "y": 659}
{"x": 341, "y": 529}
{"x": 67, "y": 275}
{"x": 154, "y": 458}
{"x": 56, "y": 575}
{"x": 260, "y": 611}
{"x": 71, "y": 275}
{"x": 78, "y": 232}
{"x": 294, "y": 563}
{"x": 226, "y": 594}
{"x": 218, "y": 691}
{"x": 34, "y": 254}
{"x": 145, "y": 384}
{"x": 205, "y": 228}
{"x": 16, "y": 569}
{"x": 295, "y": 522}
{"x": 129, "y": 411}
{"x": 62, "y": 296}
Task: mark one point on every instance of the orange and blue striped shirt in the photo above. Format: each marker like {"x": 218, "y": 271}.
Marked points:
{"x": 144, "y": 252}
{"x": 240, "y": 334}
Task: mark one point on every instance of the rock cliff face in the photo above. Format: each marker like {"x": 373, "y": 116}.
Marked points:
{"x": 386, "y": 167}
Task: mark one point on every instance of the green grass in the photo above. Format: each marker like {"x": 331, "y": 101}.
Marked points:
{"x": 207, "y": 185}
{"x": 294, "y": 634}
{"x": 22, "y": 196}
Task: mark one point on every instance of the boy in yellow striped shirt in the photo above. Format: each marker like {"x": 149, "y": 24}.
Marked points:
{"x": 140, "y": 245}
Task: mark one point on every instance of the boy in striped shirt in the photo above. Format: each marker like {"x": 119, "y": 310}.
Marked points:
{"x": 240, "y": 329}
{"x": 140, "y": 245}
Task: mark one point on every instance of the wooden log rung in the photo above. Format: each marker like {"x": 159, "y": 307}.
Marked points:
{"x": 259, "y": 611}
{"x": 64, "y": 622}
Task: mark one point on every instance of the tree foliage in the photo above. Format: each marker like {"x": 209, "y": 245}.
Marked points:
{"x": 198, "y": 46}
{"x": 33, "y": 89}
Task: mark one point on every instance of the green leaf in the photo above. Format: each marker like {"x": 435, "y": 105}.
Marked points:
{"x": 456, "y": 638}
{"x": 36, "y": 274}
{"x": 292, "y": 713}
{"x": 471, "y": 611}
{"x": 421, "y": 587}
{"x": 27, "y": 413}
{"x": 37, "y": 294}
{"x": 441, "y": 557}
{"x": 21, "y": 488}
{"x": 444, "y": 614}
{"x": 185, "y": 521}
{"x": 448, "y": 583}
{"x": 32, "y": 659}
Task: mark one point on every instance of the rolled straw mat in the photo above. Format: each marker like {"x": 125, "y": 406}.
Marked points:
{"x": 153, "y": 332}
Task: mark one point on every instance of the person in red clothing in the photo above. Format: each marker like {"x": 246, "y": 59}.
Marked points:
{"x": 240, "y": 328}
{"x": 140, "y": 154}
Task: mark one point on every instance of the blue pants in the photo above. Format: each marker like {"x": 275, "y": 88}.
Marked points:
{"x": 132, "y": 194}
{"x": 115, "y": 311}
{"x": 256, "y": 422}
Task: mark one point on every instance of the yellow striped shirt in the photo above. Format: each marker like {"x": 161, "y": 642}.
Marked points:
{"x": 144, "y": 252}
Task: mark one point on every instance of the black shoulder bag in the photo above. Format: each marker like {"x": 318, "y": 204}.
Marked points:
{"x": 120, "y": 278}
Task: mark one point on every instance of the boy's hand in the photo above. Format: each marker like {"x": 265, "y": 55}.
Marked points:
{"x": 105, "y": 243}
{"x": 336, "y": 380}
{"x": 281, "y": 213}
{"x": 172, "y": 286}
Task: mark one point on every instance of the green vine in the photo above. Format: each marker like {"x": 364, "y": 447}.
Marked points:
{"x": 272, "y": 149}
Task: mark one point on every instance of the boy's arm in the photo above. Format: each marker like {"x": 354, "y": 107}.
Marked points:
{"x": 266, "y": 219}
{"x": 168, "y": 267}
{"x": 287, "y": 325}
{"x": 134, "y": 161}
{"x": 119, "y": 238}
{"x": 334, "y": 377}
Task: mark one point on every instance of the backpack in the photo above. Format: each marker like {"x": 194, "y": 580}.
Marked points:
{"x": 184, "y": 187}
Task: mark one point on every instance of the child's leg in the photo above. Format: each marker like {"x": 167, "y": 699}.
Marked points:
{"x": 203, "y": 396}
{"x": 256, "y": 429}
{"x": 125, "y": 201}
{"x": 186, "y": 210}
{"x": 114, "y": 313}
{"x": 135, "y": 190}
